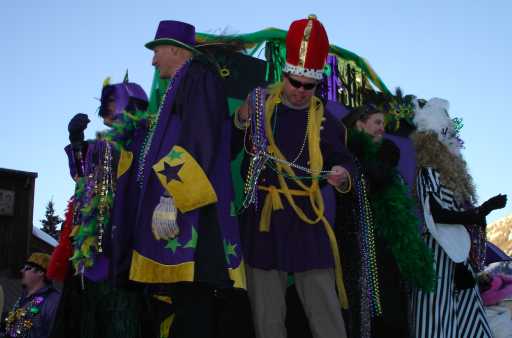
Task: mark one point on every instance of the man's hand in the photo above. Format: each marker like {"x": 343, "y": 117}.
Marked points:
{"x": 338, "y": 176}
{"x": 243, "y": 112}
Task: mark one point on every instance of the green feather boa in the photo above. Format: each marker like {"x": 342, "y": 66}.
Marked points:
{"x": 121, "y": 133}
{"x": 397, "y": 224}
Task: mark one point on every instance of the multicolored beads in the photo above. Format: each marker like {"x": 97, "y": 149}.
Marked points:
{"x": 368, "y": 246}
{"x": 19, "y": 320}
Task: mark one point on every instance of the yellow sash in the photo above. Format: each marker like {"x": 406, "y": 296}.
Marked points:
{"x": 273, "y": 200}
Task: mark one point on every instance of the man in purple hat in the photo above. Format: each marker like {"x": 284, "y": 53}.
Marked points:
{"x": 185, "y": 241}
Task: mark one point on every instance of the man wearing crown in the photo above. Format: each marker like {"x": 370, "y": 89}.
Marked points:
{"x": 297, "y": 162}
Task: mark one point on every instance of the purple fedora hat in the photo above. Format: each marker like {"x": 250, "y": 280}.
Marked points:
{"x": 174, "y": 33}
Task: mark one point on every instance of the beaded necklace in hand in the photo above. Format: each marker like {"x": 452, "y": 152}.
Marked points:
{"x": 262, "y": 153}
{"x": 260, "y": 157}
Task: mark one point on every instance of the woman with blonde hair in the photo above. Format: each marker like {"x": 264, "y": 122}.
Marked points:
{"x": 446, "y": 194}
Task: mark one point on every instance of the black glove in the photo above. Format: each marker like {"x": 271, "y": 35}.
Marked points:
{"x": 389, "y": 153}
{"x": 76, "y": 128}
{"x": 493, "y": 203}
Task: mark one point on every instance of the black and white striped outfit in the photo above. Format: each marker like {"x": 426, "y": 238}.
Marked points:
{"x": 445, "y": 313}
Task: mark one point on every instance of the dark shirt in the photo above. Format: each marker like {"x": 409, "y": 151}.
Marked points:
{"x": 43, "y": 320}
{"x": 291, "y": 244}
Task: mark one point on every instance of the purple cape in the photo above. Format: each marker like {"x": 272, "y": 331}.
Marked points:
{"x": 194, "y": 115}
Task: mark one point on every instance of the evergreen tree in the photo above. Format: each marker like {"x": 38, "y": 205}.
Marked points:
{"x": 51, "y": 221}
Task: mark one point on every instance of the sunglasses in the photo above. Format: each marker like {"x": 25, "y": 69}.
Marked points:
{"x": 28, "y": 268}
{"x": 297, "y": 84}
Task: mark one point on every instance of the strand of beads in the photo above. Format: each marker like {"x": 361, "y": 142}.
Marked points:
{"x": 260, "y": 157}
{"x": 106, "y": 192}
{"x": 304, "y": 141}
{"x": 19, "y": 320}
{"x": 368, "y": 246}
{"x": 299, "y": 167}
{"x": 258, "y": 160}
{"x": 322, "y": 175}
{"x": 148, "y": 140}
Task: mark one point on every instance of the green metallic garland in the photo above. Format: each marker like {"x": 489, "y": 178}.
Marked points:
{"x": 251, "y": 42}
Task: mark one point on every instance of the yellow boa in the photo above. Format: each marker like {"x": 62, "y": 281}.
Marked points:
{"x": 273, "y": 199}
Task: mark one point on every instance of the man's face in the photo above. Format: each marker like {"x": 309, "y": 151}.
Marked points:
{"x": 373, "y": 126}
{"x": 298, "y": 89}
{"x": 166, "y": 59}
{"x": 30, "y": 276}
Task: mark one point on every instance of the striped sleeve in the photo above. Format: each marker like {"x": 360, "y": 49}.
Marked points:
{"x": 428, "y": 184}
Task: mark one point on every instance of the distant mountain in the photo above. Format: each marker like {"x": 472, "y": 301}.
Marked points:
{"x": 500, "y": 233}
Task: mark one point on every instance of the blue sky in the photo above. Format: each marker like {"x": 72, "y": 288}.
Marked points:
{"x": 55, "y": 55}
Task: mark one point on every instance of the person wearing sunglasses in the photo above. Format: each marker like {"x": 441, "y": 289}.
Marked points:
{"x": 33, "y": 313}
{"x": 295, "y": 161}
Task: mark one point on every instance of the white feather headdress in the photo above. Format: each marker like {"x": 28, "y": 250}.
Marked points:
{"x": 434, "y": 117}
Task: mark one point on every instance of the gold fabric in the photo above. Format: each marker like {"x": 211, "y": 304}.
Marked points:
{"x": 125, "y": 162}
{"x": 237, "y": 275}
{"x": 193, "y": 189}
{"x": 303, "y": 51}
{"x": 146, "y": 270}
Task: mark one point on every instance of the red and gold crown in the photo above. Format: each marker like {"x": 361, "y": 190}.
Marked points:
{"x": 307, "y": 46}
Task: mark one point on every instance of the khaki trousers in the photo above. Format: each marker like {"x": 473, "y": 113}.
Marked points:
{"x": 317, "y": 292}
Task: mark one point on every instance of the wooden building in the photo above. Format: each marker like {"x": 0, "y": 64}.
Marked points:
{"x": 17, "y": 237}
{"x": 16, "y": 213}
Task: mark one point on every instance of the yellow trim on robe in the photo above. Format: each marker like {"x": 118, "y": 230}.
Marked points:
{"x": 125, "y": 162}
{"x": 238, "y": 276}
{"x": 146, "y": 270}
{"x": 164, "y": 299}
{"x": 193, "y": 190}
{"x": 165, "y": 326}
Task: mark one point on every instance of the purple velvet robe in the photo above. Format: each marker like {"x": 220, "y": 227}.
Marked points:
{"x": 194, "y": 115}
{"x": 93, "y": 157}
